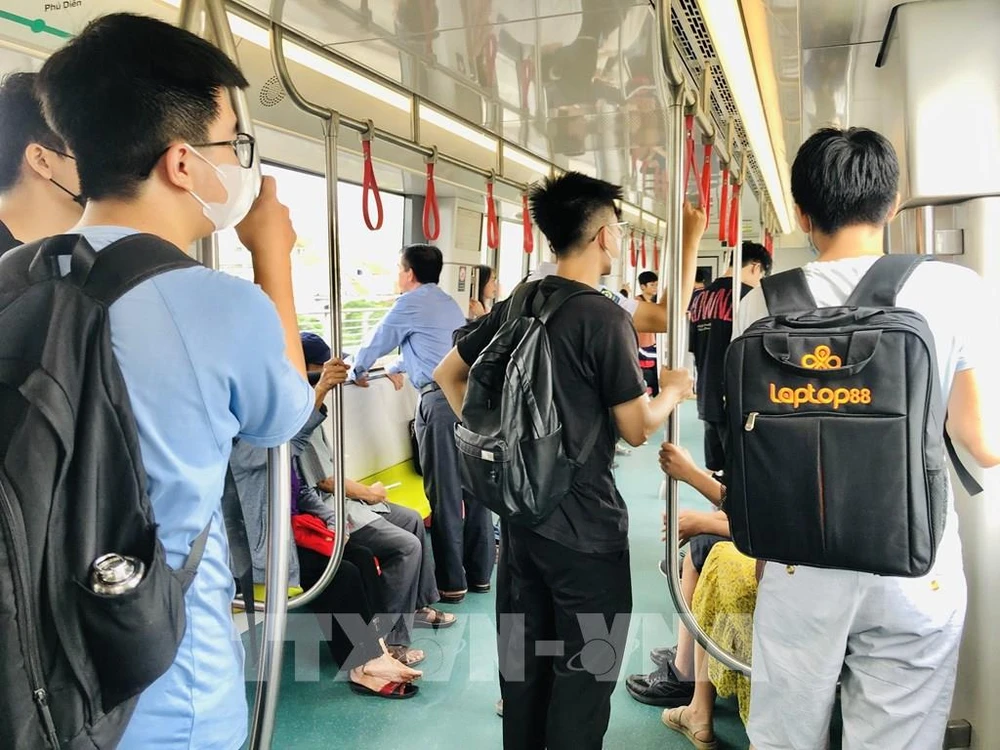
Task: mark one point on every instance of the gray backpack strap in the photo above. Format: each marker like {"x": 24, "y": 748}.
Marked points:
{"x": 787, "y": 293}
{"x": 187, "y": 572}
{"x": 879, "y": 287}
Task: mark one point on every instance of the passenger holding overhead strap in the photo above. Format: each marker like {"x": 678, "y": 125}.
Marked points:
{"x": 837, "y": 463}
{"x": 39, "y": 187}
{"x": 204, "y": 358}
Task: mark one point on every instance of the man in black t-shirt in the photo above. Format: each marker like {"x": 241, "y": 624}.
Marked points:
{"x": 569, "y": 577}
{"x": 38, "y": 180}
{"x": 711, "y": 321}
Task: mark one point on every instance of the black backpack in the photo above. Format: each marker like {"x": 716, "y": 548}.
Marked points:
{"x": 72, "y": 488}
{"x": 836, "y": 446}
{"x": 510, "y": 439}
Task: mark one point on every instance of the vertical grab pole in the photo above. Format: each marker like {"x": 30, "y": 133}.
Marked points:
{"x": 331, "y": 131}
{"x": 738, "y": 246}
{"x": 675, "y": 325}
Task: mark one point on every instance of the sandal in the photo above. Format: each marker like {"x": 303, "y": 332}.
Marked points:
{"x": 391, "y": 690}
{"x": 452, "y": 597}
{"x": 408, "y": 657}
{"x": 674, "y": 718}
{"x": 428, "y": 617}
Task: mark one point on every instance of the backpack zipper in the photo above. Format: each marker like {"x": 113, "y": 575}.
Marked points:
{"x": 25, "y": 614}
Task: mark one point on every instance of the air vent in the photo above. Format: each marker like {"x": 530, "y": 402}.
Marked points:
{"x": 272, "y": 93}
{"x": 697, "y": 52}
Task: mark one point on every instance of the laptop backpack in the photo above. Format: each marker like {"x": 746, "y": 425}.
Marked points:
{"x": 510, "y": 440}
{"x": 836, "y": 454}
{"x": 73, "y": 488}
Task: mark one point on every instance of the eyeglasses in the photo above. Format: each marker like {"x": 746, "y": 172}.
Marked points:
{"x": 62, "y": 153}
{"x": 243, "y": 145}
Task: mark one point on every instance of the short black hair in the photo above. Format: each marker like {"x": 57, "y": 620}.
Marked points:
{"x": 702, "y": 275}
{"x": 564, "y": 207}
{"x": 754, "y": 252}
{"x": 21, "y": 124}
{"x": 127, "y": 88}
{"x": 647, "y": 277}
{"x": 485, "y": 274}
{"x": 842, "y": 178}
{"x": 426, "y": 262}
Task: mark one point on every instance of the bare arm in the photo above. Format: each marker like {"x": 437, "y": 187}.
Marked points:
{"x": 641, "y": 417}
{"x": 965, "y": 420}
{"x": 676, "y": 462}
{"x": 651, "y": 317}
{"x": 452, "y": 374}
{"x": 268, "y": 234}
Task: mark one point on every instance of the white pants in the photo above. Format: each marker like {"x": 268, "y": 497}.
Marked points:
{"x": 893, "y": 643}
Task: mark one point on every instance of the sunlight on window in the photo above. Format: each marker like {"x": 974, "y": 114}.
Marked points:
{"x": 368, "y": 260}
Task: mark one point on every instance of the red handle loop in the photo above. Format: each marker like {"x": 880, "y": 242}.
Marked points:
{"x": 529, "y": 235}
{"x": 706, "y": 181}
{"x": 431, "y": 213}
{"x": 631, "y": 247}
{"x": 525, "y": 75}
{"x": 656, "y": 253}
{"x": 734, "y": 216}
{"x": 369, "y": 187}
{"x": 492, "y": 225}
{"x": 691, "y": 167}
{"x": 642, "y": 250}
{"x": 724, "y": 207}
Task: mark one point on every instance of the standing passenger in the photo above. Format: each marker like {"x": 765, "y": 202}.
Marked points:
{"x": 421, "y": 324}
{"x": 892, "y": 641}
{"x": 574, "y": 566}
{"x": 648, "y": 281}
{"x": 38, "y": 182}
{"x": 205, "y": 357}
{"x": 711, "y": 330}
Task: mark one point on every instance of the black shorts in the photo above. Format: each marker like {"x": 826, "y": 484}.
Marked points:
{"x": 700, "y": 546}
{"x": 715, "y": 445}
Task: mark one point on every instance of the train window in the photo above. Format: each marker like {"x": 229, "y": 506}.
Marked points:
{"x": 368, "y": 259}
{"x": 511, "y": 257}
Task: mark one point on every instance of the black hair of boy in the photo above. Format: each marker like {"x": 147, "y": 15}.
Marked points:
{"x": 569, "y": 209}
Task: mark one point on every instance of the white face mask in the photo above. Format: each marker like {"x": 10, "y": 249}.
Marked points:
{"x": 240, "y": 185}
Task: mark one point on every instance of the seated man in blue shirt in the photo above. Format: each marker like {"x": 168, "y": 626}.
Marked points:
{"x": 421, "y": 324}
{"x": 206, "y": 357}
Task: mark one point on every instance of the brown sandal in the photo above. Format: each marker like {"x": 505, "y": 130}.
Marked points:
{"x": 428, "y": 617}
{"x": 408, "y": 657}
{"x": 674, "y": 718}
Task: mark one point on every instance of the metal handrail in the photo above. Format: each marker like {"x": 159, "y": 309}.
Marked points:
{"x": 673, "y": 251}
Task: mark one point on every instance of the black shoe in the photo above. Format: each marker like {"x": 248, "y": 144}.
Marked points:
{"x": 663, "y": 655}
{"x": 660, "y": 688}
{"x": 479, "y": 588}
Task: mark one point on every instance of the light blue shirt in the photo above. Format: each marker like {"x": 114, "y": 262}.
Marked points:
{"x": 203, "y": 358}
{"x": 421, "y": 324}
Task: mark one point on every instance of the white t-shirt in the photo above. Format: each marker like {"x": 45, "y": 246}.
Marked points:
{"x": 628, "y": 304}
{"x": 951, "y": 298}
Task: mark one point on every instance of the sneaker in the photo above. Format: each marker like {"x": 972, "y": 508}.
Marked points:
{"x": 660, "y": 688}
{"x": 622, "y": 450}
{"x": 663, "y": 655}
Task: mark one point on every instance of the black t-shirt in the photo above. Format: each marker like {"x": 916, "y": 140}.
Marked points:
{"x": 7, "y": 240}
{"x": 711, "y": 316}
{"x": 593, "y": 348}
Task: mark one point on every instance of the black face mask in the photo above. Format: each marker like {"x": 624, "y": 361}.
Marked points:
{"x": 77, "y": 199}
{"x": 314, "y": 377}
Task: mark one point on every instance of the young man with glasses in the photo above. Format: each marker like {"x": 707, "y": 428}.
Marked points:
{"x": 205, "y": 357}
{"x": 568, "y": 579}
{"x": 39, "y": 187}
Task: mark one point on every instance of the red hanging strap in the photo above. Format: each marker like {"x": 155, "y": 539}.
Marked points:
{"x": 691, "y": 167}
{"x": 432, "y": 216}
{"x": 492, "y": 225}
{"x": 529, "y": 234}
{"x": 525, "y": 75}
{"x": 706, "y": 181}
{"x": 656, "y": 253}
{"x": 631, "y": 247}
{"x": 734, "y": 216}
{"x": 724, "y": 207}
{"x": 490, "y": 59}
{"x": 369, "y": 185}
{"x": 642, "y": 249}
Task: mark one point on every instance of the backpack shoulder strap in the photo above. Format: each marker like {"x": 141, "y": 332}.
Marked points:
{"x": 128, "y": 262}
{"x": 879, "y": 287}
{"x": 545, "y": 308}
{"x": 240, "y": 557}
{"x": 787, "y": 292}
